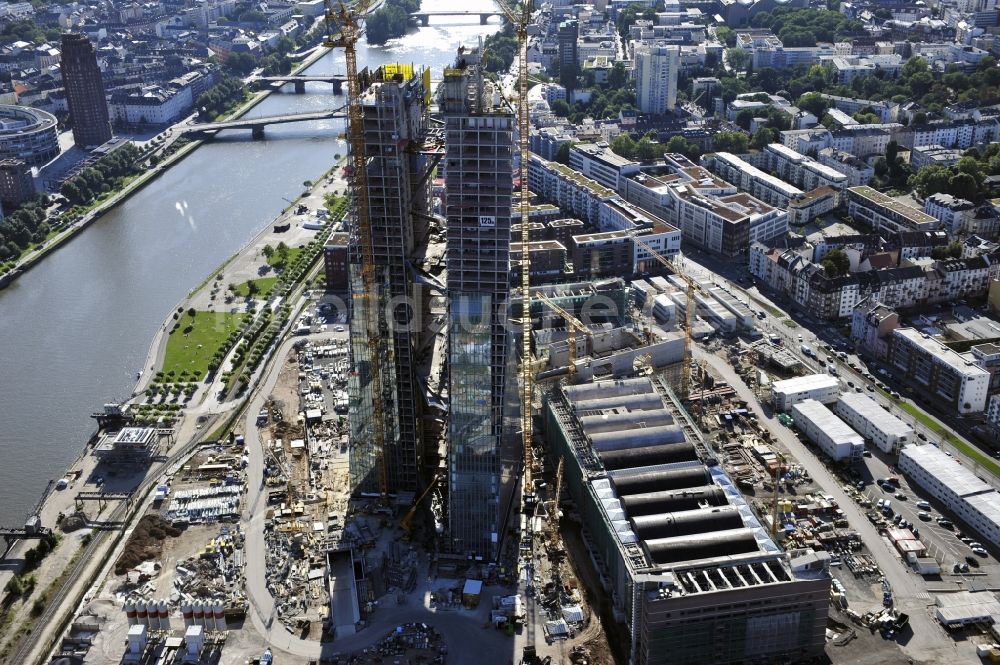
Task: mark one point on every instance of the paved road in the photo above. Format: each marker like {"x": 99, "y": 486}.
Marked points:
{"x": 928, "y": 639}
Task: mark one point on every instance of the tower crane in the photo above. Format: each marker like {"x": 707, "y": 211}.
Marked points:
{"x": 688, "y": 311}
{"x": 343, "y": 26}
{"x": 573, "y": 325}
{"x": 519, "y": 16}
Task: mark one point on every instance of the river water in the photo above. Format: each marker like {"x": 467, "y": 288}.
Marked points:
{"x": 77, "y": 328}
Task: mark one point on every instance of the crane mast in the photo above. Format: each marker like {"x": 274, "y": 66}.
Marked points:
{"x": 520, "y": 16}
{"x": 345, "y": 20}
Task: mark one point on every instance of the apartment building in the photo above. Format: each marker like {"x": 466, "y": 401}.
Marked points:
{"x": 954, "y": 213}
{"x": 655, "y": 69}
{"x": 871, "y": 324}
{"x": 937, "y": 371}
{"x": 933, "y": 155}
{"x": 883, "y": 213}
{"x": 799, "y": 169}
{"x": 858, "y": 171}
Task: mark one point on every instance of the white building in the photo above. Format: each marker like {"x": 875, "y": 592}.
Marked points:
{"x": 874, "y": 423}
{"x": 833, "y": 436}
{"x": 938, "y": 372}
{"x": 969, "y": 498}
{"x": 598, "y": 162}
{"x": 822, "y": 388}
{"x": 656, "y": 68}
{"x": 954, "y": 213}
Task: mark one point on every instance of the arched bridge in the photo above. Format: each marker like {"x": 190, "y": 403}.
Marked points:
{"x": 425, "y": 17}
{"x": 256, "y": 125}
{"x": 337, "y": 80}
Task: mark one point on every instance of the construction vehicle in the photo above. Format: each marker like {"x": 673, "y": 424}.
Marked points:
{"x": 572, "y": 326}
{"x": 408, "y": 517}
{"x": 345, "y": 21}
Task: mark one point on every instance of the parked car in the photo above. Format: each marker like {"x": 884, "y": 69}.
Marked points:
{"x": 979, "y": 551}
{"x": 924, "y": 515}
{"x": 946, "y": 523}
{"x": 923, "y": 505}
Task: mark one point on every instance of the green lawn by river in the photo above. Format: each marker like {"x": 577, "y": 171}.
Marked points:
{"x": 191, "y": 351}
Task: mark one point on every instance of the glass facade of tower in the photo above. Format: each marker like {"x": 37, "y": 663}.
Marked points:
{"x": 478, "y": 192}
{"x": 394, "y": 105}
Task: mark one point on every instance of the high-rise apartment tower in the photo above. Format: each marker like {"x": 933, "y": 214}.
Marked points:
{"x": 88, "y": 106}
{"x": 479, "y": 142}
{"x": 656, "y": 69}
{"x": 395, "y": 109}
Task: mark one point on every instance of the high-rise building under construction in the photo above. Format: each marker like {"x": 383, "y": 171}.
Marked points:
{"x": 479, "y": 136}
{"x": 394, "y": 101}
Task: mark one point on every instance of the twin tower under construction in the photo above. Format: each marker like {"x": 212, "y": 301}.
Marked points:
{"x": 442, "y": 347}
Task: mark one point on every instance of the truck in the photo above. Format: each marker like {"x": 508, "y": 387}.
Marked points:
{"x": 774, "y": 338}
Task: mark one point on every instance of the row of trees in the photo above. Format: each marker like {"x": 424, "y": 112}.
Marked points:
{"x": 104, "y": 176}
{"x": 390, "y": 20}
{"x": 964, "y": 179}
{"x": 28, "y": 30}
{"x": 500, "y": 48}
{"x": 22, "y": 227}
{"x": 221, "y": 97}
{"x": 806, "y": 27}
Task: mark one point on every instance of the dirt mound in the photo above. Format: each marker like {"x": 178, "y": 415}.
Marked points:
{"x": 73, "y": 522}
{"x": 146, "y": 542}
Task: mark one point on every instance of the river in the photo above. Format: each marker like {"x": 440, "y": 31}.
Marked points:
{"x": 77, "y": 328}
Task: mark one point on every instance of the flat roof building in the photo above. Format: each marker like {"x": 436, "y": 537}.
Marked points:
{"x": 874, "y": 423}
{"x": 973, "y": 501}
{"x": 688, "y": 565}
{"x": 882, "y": 212}
{"x": 937, "y": 371}
{"x": 833, "y": 436}
{"x": 820, "y": 387}
{"x": 599, "y": 162}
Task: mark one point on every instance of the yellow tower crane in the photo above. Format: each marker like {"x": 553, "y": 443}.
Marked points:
{"x": 343, "y": 25}
{"x": 519, "y": 16}
{"x": 688, "y": 311}
{"x": 573, "y": 325}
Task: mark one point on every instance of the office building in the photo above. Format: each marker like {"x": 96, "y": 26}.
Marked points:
{"x": 937, "y": 372}
{"x": 875, "y": 424}
{"x": 833, "y": 436}
{"x": 28, "y": 134}
{"x": 16, "y": 183}
{"x": 690, "y": 569}
{"x": 656, "y": 68}
{"x": 478, "y": 149}
{"x": 88, "y": 105}
{"x": 336, "y": 259}
{"x": 600, "y": 163}
{"x": 395, "y": 110}
{"x": 567, "y": 34}
{"x": 820, "y": 387}
{"x": 973, "y": 501}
